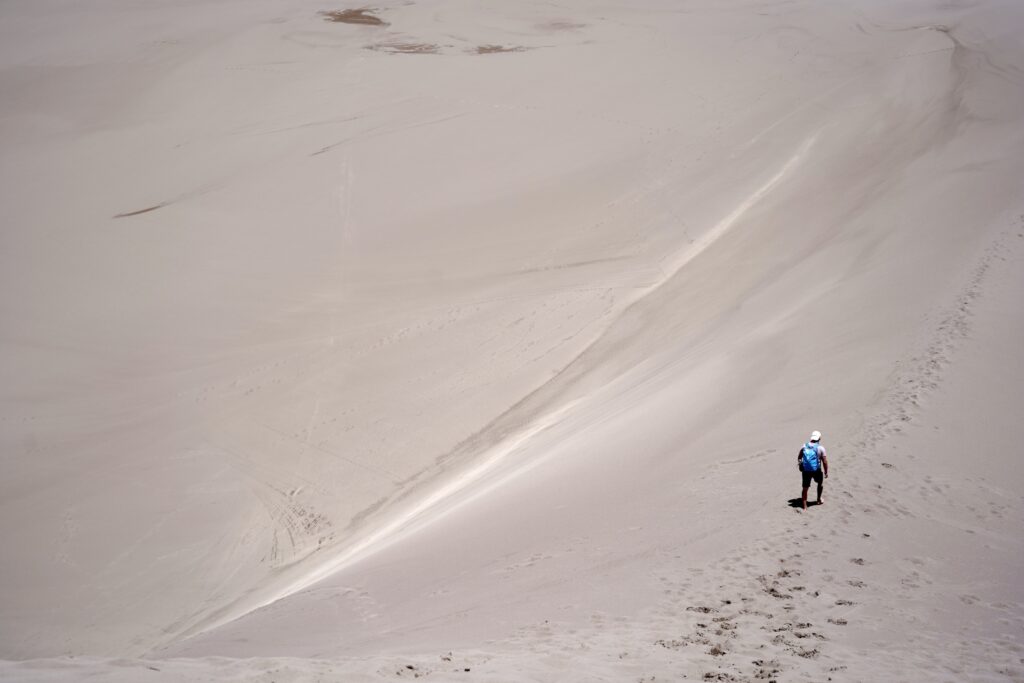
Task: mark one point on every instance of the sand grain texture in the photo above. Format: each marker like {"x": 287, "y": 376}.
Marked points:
{"x": 476, "y": 342}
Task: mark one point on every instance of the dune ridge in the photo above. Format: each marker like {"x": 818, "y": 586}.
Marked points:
{"x": 428, "y": 509}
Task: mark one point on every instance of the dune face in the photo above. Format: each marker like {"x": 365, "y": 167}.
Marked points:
{"x": 434, "y": 338}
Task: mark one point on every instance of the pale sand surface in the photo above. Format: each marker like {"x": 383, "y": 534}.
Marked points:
{"x": 485, "y": 337}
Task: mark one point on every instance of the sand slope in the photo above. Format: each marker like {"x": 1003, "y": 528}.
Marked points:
{"x": 352, "y": 348}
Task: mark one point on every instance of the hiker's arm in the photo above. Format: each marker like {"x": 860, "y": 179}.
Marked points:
{"x": 824, "y": 462}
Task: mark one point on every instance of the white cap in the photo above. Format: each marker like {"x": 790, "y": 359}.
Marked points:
{"x": 815, "y": 435}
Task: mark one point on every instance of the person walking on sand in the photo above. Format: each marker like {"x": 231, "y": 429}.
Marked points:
{"x": 813, "y": 464}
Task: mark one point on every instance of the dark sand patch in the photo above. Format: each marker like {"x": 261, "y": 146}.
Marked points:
{"x": 362, "y": 17}
{"x": 129, "y": 214}
{"x": 495, "y": 49}
{"x": 406, "y": 48}
{"x": 560, "y": 25}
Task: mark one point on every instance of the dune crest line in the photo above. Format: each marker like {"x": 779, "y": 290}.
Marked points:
{"x": 692, "y": 251}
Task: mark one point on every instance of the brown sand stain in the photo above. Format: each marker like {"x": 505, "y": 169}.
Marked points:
{"x": 363, "y": 17}
{"x": 560, "y": 25}
{"x": 129, "y": 214}
{"x": 495, "y": 49}
{"x": 406, "y": 48}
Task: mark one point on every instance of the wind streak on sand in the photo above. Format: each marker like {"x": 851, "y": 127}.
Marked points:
{"x": 674, "y": 263}
{"x": 441, "y": 502}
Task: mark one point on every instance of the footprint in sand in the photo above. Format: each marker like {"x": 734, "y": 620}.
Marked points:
{"x": 702, "y": 609}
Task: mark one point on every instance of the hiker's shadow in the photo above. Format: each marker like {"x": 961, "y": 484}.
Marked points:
{"x": 798, "y": 503}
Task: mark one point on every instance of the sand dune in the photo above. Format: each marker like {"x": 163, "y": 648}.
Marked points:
{"x": 477, "y": 341}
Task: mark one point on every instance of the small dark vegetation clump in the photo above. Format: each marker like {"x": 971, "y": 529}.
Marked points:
{"x": 363, "y": 17}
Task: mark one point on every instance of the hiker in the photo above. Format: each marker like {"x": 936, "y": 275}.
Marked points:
{"x": 813, "y": 464}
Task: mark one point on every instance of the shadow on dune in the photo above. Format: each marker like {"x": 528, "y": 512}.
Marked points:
{"x": 798, "y": 503}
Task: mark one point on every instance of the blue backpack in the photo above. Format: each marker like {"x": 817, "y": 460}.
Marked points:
{"x": 809, "y": 457}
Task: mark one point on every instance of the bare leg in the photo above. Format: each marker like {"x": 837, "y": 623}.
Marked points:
{"x": 820, "y": 487}
{"x": 805, "y": 496}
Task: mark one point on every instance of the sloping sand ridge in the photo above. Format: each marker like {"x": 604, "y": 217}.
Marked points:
{"x": 325, "y": 359}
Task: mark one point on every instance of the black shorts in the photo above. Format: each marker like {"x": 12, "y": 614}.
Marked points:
{"x": 817, "y": 476}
